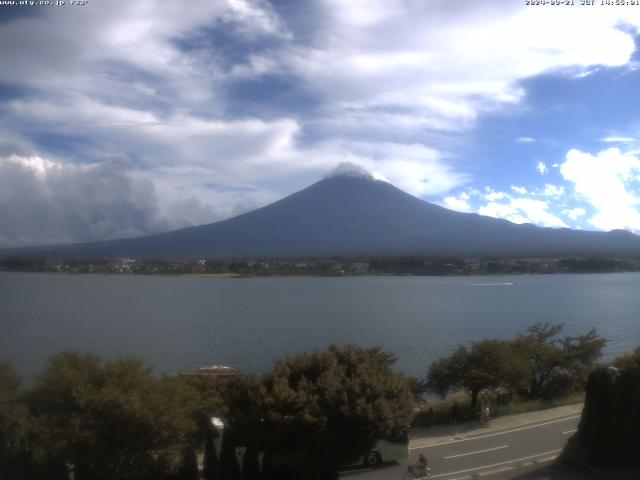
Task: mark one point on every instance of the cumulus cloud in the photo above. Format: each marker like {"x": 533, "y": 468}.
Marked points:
{"x": 521, "y": 206}
{"x": 523, "y": 210}
{"x": 457, "y": 203}
{"x": 519, "y": 190}
{"x": 505, "y": 211}
{"x": 44, "y": 201}
{"x": 602, "y": 191}
{"x": 50, "y": 202}
{"x": 537, "y": 212}
{"x": 414, "y": 168}
{"x": 418, "y": 60}
{"x": 491, "y": 195}
{"x": 609, "y": 182}
{"x": 574, "y": 213}
{"x": 553, "y": 191}
{"x": 542, "y": 167}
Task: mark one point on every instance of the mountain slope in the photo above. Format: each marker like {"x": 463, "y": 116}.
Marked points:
{"x": 355, "y": 214}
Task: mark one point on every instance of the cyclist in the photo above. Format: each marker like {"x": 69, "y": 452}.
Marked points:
{"x": 421, "y": 467}
{"x": 484, "y": 416}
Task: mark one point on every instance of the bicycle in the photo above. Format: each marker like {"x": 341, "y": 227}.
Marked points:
{"x": 485, "y": 416}
{"x": 413, "y": 472}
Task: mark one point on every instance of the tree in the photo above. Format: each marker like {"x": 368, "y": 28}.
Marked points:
{"x": 14, "y": 425}
{"x": 229, "y": 467}
{"x": 207, "y": 401}
{"x": 210, "y": 463}
{"x": 320, "y": 411}
{"x": 608, "y": 430}
{"x": 557, "y": 364}
{"x": 629, "y": 362}
{"x": 486, "y": 364}
{"x": 110, "y": 419}
{"x": 189, "y": 468}
{"x": 245, "y": 417}
{"x": 251, "y": 465}
{"x": 536, "y": 364}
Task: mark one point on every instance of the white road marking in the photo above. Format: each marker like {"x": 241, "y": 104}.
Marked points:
{"x": 494, "y": 434}
{"x": 488, "y": 473}
{"x": 570, "y": 431}
{"x": 479, "y": 451}
{"x": 495, "y": 464}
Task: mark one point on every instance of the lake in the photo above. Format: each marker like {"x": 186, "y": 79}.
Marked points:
{"x": 185, "y": 322}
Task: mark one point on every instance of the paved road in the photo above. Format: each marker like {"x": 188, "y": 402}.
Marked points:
{"x": 486, "y": 451}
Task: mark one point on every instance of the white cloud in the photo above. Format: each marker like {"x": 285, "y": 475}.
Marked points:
{"x": 448, "y": 64}
{"x": 519, "y": 210}
{"x": 238, "y": 149}
{"x": 525, "y": 140}
{"x": 614, "y": 139}
{"x": 553, "y": 191}
{"x": 574, "y": 213}
{"x": 537, "y": 212}
{"x": 542, "y": 167}
{"x": 519, "y": 190}
{"x": 608, "y": 181}
{"x": 414, "y": 168}
{"x": 457, "y": 203}
{"x": 492, "y": 195}
{"x": 505, "y": 211}
{"x": 42, "y": 201}
{"x": 255, "y": 17}
{"x": 133, "y": 35}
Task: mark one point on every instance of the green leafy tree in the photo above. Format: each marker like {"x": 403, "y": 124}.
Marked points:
{"x": 629, "y": 362}
{"x": 557, "y": 364}
{"x": 189, "y": 468}
{"x": 608, "y": 430}
{"x": 251, "y": 466}
{"x": 217, "y": 397}
{"x": 485, "y": 364}
{"x": 537, "y": 364}
{"x": 245, "y": 416}
{"x": 207, "y": 401}
{"x": 14, "y": 425}
{"x": 229, "y": 466}
{"x": 210, "y": 463}
{"x": 110, "y": 420}
{"x": 324, "y": 410}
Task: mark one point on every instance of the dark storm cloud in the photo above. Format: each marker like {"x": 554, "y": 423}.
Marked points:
{"x": 46, "y": 202}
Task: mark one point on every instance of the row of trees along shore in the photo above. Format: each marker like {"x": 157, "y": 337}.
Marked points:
{"x": 115, "y": 420}
{"x": 536, "y": 365}
{"x": 331, "y": 266}
{"x": 312, "y": 414}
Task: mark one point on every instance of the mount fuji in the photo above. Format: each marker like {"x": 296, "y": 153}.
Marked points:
{"x": 353, "y": 212}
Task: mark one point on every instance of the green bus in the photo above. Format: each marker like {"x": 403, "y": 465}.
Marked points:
{"x": 386, "y": 450}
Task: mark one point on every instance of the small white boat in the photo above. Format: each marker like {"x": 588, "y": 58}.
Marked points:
{"x": 211, "y": 371}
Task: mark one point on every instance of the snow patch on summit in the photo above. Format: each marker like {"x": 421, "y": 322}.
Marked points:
{"x": 348, "y": 169}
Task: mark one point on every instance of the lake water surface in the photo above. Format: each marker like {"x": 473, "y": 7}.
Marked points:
{"x": 178, "y": 323}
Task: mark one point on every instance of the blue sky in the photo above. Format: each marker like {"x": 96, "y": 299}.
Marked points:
{"x": 123, "y": 118}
